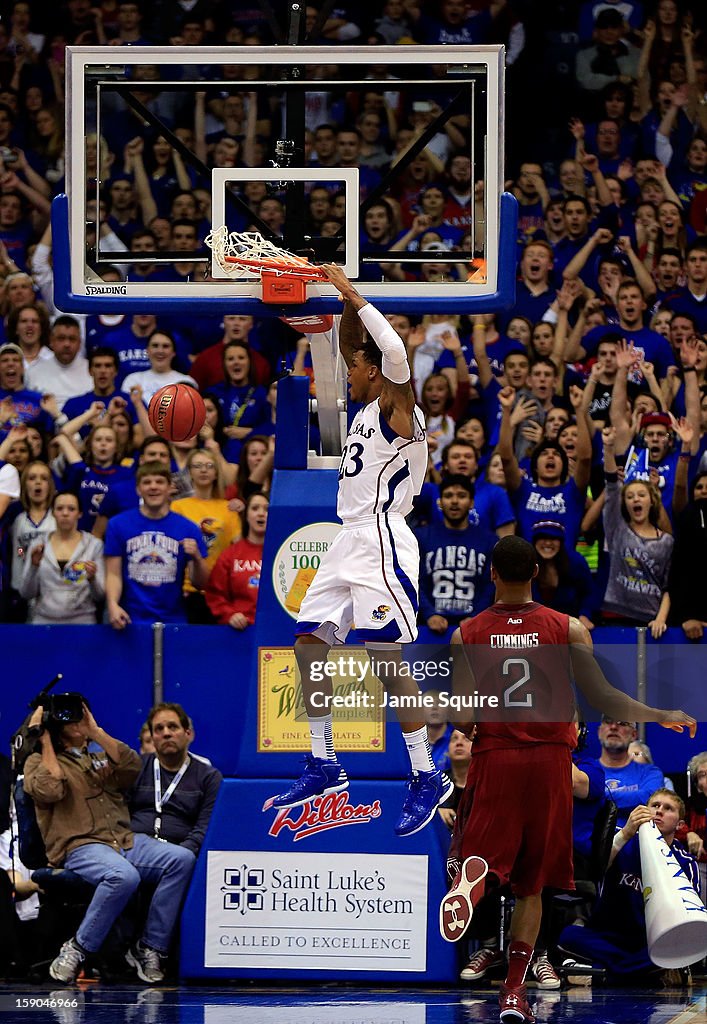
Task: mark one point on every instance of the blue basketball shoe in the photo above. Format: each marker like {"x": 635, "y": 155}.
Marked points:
{"x": 319, "y": 777}
{"x": 425, "y": 791}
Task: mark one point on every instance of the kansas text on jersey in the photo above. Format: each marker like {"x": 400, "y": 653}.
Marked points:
{"x": 380, "y": 471}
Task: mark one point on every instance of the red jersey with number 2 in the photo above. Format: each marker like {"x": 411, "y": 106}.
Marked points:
{"x": 519, "y": 656}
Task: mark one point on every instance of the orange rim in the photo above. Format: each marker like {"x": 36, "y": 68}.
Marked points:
{"x": 293, "y": 269}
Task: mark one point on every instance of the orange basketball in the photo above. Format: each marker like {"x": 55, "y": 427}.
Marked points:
{"x": 177, "y": 412}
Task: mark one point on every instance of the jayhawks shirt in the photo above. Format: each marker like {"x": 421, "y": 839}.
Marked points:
{"x": 562, "y": 504}
{"x": 154, "y": 563}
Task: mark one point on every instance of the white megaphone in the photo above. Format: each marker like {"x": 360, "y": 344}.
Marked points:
{"x": 676, "y": 918}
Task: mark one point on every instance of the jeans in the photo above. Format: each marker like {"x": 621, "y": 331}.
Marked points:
{"x": 117, "y": 874}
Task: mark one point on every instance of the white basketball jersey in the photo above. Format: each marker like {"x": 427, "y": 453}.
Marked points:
{"x": 380, "y": 471}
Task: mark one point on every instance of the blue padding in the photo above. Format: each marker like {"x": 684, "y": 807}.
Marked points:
{"x": 210, "y": 670}
{"x": 238, "y": 824}
{"x": 675, "y": 668}
{"x": 113, "y": 669}
{"x": 313, "y": 493}
{"x": 615, "y": 650}
{"x": 610, "y": 635}
{"x": 428, "y": 637}
{"x": 68, "y": 302}
{"x": 293, "y": 423}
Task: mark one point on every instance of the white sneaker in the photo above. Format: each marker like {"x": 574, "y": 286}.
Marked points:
{"x": 146, "y": 962}
{"x": 66, "y": 966}
{"x": 544, "y": 973}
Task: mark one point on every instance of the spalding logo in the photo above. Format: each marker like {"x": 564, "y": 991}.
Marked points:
{"x": 323, "y": 813}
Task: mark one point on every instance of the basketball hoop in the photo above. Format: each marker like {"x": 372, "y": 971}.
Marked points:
{"x": 283, "y": 276}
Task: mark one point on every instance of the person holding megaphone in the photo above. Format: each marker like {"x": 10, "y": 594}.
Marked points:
{"x": 615, "y": 937}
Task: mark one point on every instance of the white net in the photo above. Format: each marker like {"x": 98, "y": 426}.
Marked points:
{"x": 234, "y": 251}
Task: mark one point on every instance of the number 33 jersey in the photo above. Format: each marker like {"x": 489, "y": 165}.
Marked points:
{"x": 520, "y": 659}
{"x": 380, "y": 471}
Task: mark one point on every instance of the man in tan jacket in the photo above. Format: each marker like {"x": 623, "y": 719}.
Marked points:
{"x": 85, "y": 823}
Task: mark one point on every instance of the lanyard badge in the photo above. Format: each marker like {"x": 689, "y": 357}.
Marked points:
{"x": 162, "y": 798}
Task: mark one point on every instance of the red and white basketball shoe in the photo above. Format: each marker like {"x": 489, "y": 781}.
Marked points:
{"x": 514, "y": 1006}
{"x": 457, "y": 907}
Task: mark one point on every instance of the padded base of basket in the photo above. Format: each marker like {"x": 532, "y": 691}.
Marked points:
{"x": 283, "y": 288}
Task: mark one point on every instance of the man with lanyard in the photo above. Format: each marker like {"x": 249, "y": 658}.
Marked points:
{"x": 174, "y": 794}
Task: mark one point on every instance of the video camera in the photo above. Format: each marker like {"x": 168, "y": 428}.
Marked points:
{"x": 61, "y": 708}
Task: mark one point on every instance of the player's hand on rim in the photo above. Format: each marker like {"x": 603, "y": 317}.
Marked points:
{"x": 339, "y": 279}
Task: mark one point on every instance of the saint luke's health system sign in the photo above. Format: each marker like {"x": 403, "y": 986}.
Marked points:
{"x": 344, "y": 911}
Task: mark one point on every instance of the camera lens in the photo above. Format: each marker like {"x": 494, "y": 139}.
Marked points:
{"x": 65, "y": 708}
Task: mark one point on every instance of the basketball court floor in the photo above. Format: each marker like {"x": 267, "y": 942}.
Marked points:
{"x": 334, "y": 1003}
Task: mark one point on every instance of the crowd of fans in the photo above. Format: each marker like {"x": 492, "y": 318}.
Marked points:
{"x": 576, "y": 418}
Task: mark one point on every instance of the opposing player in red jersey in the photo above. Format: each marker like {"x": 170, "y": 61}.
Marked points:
{"x": 523, "y": 656}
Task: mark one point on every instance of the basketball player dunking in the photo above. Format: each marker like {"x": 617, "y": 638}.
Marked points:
{"x": 514, "y": 822}
{"x": 370, "y": 573}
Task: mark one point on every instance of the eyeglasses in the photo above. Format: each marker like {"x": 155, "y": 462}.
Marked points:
{"x": 701, "y": 775}
{"x": 203, "y": 465}
{"x": 621, "y": 725}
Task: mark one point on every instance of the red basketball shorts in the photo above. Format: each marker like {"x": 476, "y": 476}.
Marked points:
{"x": 521, "y": 816}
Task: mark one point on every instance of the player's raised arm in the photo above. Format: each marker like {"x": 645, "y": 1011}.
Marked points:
{"x": 397, "y": 399}
{"x": 606, "y": 698}
{"x": 350, "y": 329}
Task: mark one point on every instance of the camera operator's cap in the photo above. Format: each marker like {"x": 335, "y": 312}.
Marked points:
{"x": 608, "y": 18}
{"x": 10, "y": 346}
{"x": 649, "y": 419}
{"x": 548, "y": 528}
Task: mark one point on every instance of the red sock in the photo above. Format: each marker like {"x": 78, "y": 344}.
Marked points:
{"x": 519, "y": 956}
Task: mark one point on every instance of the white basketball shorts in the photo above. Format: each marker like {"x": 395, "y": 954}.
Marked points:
{"x": 367, "y": 579}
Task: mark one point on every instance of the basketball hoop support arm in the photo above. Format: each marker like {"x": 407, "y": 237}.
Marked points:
{"x": 324, "y": 349}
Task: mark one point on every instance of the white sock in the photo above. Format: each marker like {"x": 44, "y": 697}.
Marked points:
{"x": 419, "y": 750}
{"x": 322, "y": 737}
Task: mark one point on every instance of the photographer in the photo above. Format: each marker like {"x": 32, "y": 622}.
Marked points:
{"x": 85, "y": 823}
